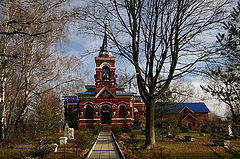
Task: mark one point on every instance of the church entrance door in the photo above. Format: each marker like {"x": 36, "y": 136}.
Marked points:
{"x": 106, "y": 115}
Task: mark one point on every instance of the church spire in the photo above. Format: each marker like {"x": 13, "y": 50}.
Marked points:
{"x": 105, "y": 50}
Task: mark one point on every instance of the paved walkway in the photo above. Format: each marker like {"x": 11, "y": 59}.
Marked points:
{"x": 105, "y": 147}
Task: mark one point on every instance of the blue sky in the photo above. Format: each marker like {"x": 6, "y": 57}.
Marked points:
{"x": 81, "y": 44}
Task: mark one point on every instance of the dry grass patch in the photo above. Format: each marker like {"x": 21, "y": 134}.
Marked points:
{"x": 76, "y": 148}
{"x": 202, "y": 147}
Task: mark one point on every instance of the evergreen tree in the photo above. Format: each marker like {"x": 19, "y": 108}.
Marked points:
{"x": 46, "y": 121}
{"x": 224, "y": 80}
{"x": 166, "y": 106}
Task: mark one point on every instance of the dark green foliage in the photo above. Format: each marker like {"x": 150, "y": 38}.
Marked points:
{"x": 204, "y": 129}
{"x": 234, "y": 137}
{"x": 224, "y": 79}
{"x": 126, "y": 129}
{"x": 137, "y": 124}
{"x": 116, "y": 130}
{"x": 84, "y": 139}
{"x": 46, "y": 122}
{"x": 168, "y": 125}
{"x": 236, "y": 125}
{"x": 184, "y": 127}
{"x": 175, "y": 131}
{"x": 223, "y": 135}
{"x": 41, "y": 150}
{"x": 96, "y": 129}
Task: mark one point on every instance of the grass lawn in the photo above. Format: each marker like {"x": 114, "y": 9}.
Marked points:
{"x": 76, "y": 148}
{"x": 202, "y": 147}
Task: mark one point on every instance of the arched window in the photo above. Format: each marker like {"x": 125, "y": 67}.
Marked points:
{"x": 122, "y": 111}
{"x": 89, "y": 114}
{"x": 105, "y": 73}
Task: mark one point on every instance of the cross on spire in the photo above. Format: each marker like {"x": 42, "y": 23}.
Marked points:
{"x": 105, "y": 50}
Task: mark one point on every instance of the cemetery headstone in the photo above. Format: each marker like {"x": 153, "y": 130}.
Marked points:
{"x": 221, "y": 142}
{"x": 189, "y": 138}
{"x": 63, "y": 140}
{"x": 66, "y": 131}
{"x": 169, "y": 131}
{"x": 71, "y": 133}
{"x": 53, "y": 147}
{"x": 230, "y": 130}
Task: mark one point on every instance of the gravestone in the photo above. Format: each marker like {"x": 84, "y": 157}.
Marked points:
{"x": 53, "y": 147}
{"x": 221, "y": 142}
{"x": 169, "y": 131}
{"x": 230, "y": 133}
{"x": 66, "y": 131}
{"x": 189, "y": 138}
{"x": 71, "y": 133}
{"x": 63, "y": 140}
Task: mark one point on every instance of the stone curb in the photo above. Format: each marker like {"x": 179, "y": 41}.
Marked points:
{"x": 118, "y": 148}
{"x": 90, "y": 151}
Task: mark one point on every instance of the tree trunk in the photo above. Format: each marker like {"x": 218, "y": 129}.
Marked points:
{"x": 3, "y": 125}
{"x": 150, "y": 130}
{"x": 3, "y": 120}
{"x": 23, "y": 111}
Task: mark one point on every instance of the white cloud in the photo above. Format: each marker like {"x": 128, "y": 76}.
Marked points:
{"x": 212, "y": 103}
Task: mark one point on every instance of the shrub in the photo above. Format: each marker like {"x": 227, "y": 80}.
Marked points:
{"x": 116, "y": 130}
{"x": 202, "y": 134}
{"x": 230, "y": 137}
{"x": 204, "y": 129}
{"x": 84, "y": 139}
{"x": 126, "y": 128}
{"x": 236, "y": 129}
{"x": 125, "y": 138}
{"x": 184, "y": 127}
{"x": 175, "y": 131}
{"x": 40, "y": 150}
{"x": 96, "y": 129}
{"x": 46, "y": 121}
{"x": 137, "y": 124}
{"x": 236, "y": 125}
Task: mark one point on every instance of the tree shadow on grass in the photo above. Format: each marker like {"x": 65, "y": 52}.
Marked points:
{"x": 229, "y": 150}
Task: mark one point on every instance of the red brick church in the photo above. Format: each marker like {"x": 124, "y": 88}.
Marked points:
{"x": 108, "y": 104}
{"x": 104, "y": 102}
{"x": 195, "y": 115}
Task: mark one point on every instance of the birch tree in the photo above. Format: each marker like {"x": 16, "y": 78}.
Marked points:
{"x": 28, "y": 29}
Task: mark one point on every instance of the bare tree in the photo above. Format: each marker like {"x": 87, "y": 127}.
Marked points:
{"x": 28, "y": 29}
{"x": 159, "y": 37}
{"x": 182, "y": 91}
{"x": 128, "y": 80}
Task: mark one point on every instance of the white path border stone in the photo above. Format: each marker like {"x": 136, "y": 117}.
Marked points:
{"x": 118, "y": 147}
{"x": 90, "y": 151}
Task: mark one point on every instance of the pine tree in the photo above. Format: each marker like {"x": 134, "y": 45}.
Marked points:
{"x": 224, "y": 81}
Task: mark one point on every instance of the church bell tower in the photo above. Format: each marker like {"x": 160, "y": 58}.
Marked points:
{"x": 105, "y": 66}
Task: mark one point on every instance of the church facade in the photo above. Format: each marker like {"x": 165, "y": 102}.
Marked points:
{"x": 105, "y": 102}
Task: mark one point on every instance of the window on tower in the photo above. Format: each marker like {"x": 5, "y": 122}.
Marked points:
{"x": 105, "y": 73}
